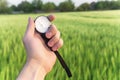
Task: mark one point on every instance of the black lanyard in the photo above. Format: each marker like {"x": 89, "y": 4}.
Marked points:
{"x": 64, "y": 65}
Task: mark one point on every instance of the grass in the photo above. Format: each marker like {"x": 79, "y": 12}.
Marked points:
{"x": 91, "y": 45}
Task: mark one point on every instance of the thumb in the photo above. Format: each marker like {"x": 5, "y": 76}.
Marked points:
{"x": 30, "y": 27}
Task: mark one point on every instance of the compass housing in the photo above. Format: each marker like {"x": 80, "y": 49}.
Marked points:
{"x": 42, "y": 24}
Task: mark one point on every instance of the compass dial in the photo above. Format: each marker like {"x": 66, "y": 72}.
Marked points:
{"x": 42, "y": 24}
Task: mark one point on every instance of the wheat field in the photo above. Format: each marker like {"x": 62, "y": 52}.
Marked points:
{"x": 91, "y": 45}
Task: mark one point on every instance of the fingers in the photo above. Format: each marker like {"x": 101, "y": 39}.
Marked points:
{"x": 53, "y": 34}
{"x": 51, "y": 31}
{"x": 30, "y": 27}
{"x": 51, "y": 17}
{"x": 58, "y": 45}
{"x": 55, "y": 41}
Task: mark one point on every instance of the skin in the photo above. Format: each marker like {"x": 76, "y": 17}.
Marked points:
{"x": 40, "y": 59}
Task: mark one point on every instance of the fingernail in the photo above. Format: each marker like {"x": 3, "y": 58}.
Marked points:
{"x": 51, "y": 17}
{"x": 54, "y": 48}
{"x": 49, "y": 34}
{"x": 50, "y": 44}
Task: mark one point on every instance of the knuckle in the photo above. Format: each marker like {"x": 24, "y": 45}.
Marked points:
{"x": 51, "y": 30}
{"x": 57, "y": 36}
{"x": 58, "y": 32}
{"x": 61, "y": 43}
{"x": 54, "y": 28}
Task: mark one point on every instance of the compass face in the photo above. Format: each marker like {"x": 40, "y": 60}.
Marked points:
{"x": 42, "y": 24}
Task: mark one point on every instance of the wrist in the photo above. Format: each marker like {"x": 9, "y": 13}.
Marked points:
{"x": 32, "y": 71}
{"x": 37, "y": 68}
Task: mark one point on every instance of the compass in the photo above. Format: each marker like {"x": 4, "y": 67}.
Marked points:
{"x": 42, "y": 24}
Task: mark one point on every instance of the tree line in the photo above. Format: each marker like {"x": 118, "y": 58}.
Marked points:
{"x": 38, "y": 6}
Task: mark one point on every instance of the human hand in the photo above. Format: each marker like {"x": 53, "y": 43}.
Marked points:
{"x": 37, "y": 50}
{"x": 40, "y": 59}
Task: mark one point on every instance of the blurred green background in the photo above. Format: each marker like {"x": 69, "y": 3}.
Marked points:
{"x": 91, "y": 45}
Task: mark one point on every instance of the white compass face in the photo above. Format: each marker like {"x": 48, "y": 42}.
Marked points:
{"x": 42, "y": 24}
